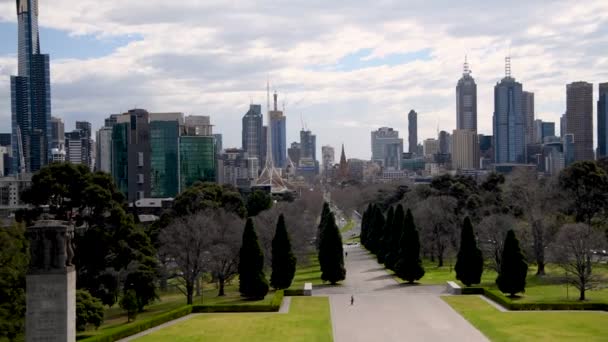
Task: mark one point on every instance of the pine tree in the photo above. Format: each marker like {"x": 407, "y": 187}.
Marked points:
{"x": 331, "y": 253}
{"x": 385, "y": 240}
{"x": 469, "y": 263}
{"x": 283, "y": 260}
{"x": 365, "y": 222}
{"x": 324, "y": 214}
{"x": 375, "y": 233}
{"x": 252, "y": 281}
{"x": 513, "y": 267}
{"x": 397, "y": 226}
{"x": 409, "y": 266}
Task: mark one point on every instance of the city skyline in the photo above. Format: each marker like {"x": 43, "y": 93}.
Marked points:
{"x": 333, "y": 78}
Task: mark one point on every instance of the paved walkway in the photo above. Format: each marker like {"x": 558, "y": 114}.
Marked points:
{"x": 387, "y": 311}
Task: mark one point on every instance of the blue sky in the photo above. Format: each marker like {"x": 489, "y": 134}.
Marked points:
{"x": 346, "y": 68}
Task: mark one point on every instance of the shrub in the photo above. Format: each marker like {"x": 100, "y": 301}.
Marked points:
{"x": 89, "y": 310}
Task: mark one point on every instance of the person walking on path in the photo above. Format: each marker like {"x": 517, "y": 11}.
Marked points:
{"x": 352, "y": 300}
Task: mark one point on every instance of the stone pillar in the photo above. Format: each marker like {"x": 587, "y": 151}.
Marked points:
{"x": 51, "y": 283}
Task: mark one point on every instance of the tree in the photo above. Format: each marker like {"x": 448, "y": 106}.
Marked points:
{"x": 513, "y": 267}
{"x": 409, "y": 266}
{"x": 492, "y": 234}
{"x": 141, "y": 277}
{"x": 89, "y": 310}
{"x": 283, "y": 260}
{"x": 365, "y": 224}
{"x": 186, "y": 242}
{"x": 385, "y": 240}
{"x": 257, "y": 202}
{"x": 252, "y": 281}
{"x": 586, "y": 185}
{"x": 574, "y": 249}
{"x": 396, "y": 231}
{"x": 324, "y": 215}
{"x": 14, "y": 260}
{"x": 469, "y": 262}
{"x": 331, "y": 252}
{"x": 225, "y": 236}
{"x": 438, "y": 220}
{"x": 203, "y": 196}
{"x": 128, "y": 302}
{"x": 375, "y": 230}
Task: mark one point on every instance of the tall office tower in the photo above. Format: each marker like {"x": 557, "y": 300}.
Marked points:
{"x": 328, "y": 156}
{"x": 465, "y": 150}
{"x": 235, "y": 167}
{"x": 5, "y": 139}
{"x": 84, "y": 127}
{"x": 508, "y": 120}
{"x": 87, "y": 143}
{"x": 253, "y": 134}
{"x": 218, "y": 141}
{"x": 75, "y": 147}
{"x": 6, "y": 156}
{"x": 164, "y": 152}
{"x": 412, "y": 129}
{"x": 57, "y": 133}
{"x": 387, "y": 148}
{"x": 579, "y": 118}
{"x": 527, "y": 108}
{"x": 538, "y": 132}
{"x": 430, "y": 147}
{"x": 131, "y": 154}
{"x": 445, "y": 142}
{"x": 308, "y": 144}
{"x": 562, "y": 125}
{"x": 278, "y": 126}
{"x": 602, "y": 121}
{"x": 294, "y": 153}
{"x": 30, "y": 95}
{"x": 103, "y": 162}
{"x": 198, "y": 125}
{"x": 466, "y": 100}
{"x": 547, "y": 130}
{"x": 111, "y": 120}
{"x": 196, "y": 160}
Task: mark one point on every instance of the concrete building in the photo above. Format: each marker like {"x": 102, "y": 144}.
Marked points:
{"x": 465, "y": 149}
{"x": 412, "y": 129}
{"x": 466, "y": 101}
{"x": 11, "y": 189}
{"x": 58, "y": 156}
{"x": 602, "y": 121}
{"x": 445, "y": 142}
{"x": 57, "y": 133}
{"x": 295, "y": 153}
{"x": 562, "y": 126}
{"x": 278, "y": 135}
{"x": 430, "y": 147}
{"x": 527, "y": 102}
{"x": 328, "y": 155}
{"x": 236, "y": 168}
{"x": 387, "y": 148}
{"x": 103, "y": 160}
{"x": 579, "y": 118}
{"x": 198, "y": 125}
{"x": 508, "y": 120}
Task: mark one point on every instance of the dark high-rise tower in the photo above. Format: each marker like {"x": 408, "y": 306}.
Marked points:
{"x": 579, "y": 118}
{"x": 527, "y": 108}
{"x": 602, "y": 121}
{"x": 412, "y": 128}
{"x": 253, "y": 135}
{"x": 30, "y": 95}
{"x": 466, "y": 101}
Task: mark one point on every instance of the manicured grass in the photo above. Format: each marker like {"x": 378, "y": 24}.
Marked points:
{"x": 348, "y": 226}
{"x": 530, "y": 326}
{"x": 307, "y": 274}
{"x": 308, "y": 320}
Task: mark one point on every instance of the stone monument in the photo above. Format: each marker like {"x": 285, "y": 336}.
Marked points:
{"x": 51, "y": 283}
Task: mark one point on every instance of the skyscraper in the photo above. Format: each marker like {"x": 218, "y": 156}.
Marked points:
{"x": 278, "y": 127}
{"x": 465, "y": 149}
{"x": 328, "y": 156}
{"x": 253, "y": 135}
{"x": 387, "y": 148}
{"x": 30, "y": 95}
{"x": 57, "y": 133}
{"x": 466, "y": 101}
{"x": 508, "y": 120}
{"x": 164, "y": 153}
{"x": 562, "y": 125}
{"x": 579, "y": 118}
{"x": 412, "y": 129}
{"x": 602, "y": 121}
{"x": 527, "y": 108}
{"x": 87, "y": 143}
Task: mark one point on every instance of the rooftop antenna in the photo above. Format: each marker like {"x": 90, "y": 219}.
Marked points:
{"x": 467, "y": 69}
{"x": 508, "y": 66}
{"x": 302, "y": 121}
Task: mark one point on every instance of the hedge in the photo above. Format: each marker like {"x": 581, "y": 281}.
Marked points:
{"x": 511, "y": 304}
{"x": 274, "y": 306}
{"x": 294, "y": 292}
{"x": 139, "y": 326}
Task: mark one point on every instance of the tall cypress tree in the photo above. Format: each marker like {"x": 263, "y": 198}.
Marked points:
{"x": 469, "y": 263}
{"x": 365, "y": 223}
{"x": 385, "y": 240}
{"x": 331, "y": 253}
{"x": 375, "y": 233}
{"x": 252, "y": 281}
{"x": 324, "y": 214}
{"x": 283, "y": 260}
{"x": 409, "y": 266}
{"x": 396, "y": 232}
{"x": 513, "y": 267}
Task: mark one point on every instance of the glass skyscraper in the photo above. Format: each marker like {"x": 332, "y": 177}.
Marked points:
{"x": 30, "y": 95}
{"x": 466, "y": 101}
{"x": 253, "y": 135}
{"x": 579, "y": 118}
{"x": 164, "y": 137}
{"x": 197, "y": 160}
{"x": 509, "y": 122}
{"x": 602, "y": 121}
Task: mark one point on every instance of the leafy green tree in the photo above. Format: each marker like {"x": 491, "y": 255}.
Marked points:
{"x": 385, "y": 240}
{"x": 409, "y": 266}
{"x": 141, "y": 278}
{"x": 396, "y": 231}
{"x": 252, "y": 281}
{"x": 202, "y": 196}
{"x": 128, "y": 302}
{"x": 469, "y": 263}
{"x": 257, "y": 202}
{"x": 283, "y": 259}
{"x": 586, "y": 185}
{"x": 89, "y": 310}
{"x": 513, "y": 267}
{"x": 331, "y": 252}
{"x": 324, "y": 215}
{"x": 14, "y": 260}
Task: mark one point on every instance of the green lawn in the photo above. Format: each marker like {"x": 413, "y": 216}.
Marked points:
{"x": 530, "y": 326}
{"x": 348, "y": 226}
{"x": 307, "y": 274}
{"x": 308, "y": 320}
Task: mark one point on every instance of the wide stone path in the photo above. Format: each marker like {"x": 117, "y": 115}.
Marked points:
{"x": 387, "y": 311}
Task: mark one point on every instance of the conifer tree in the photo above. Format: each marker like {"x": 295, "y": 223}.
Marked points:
{"x": 375, "y": 233}
{"x": 324, "y": 214}
{"x": 283, "y": 260}
{"x": 365, "y": 223}
{"x": 409, "y": 266}
{"x": 385, "y": 240}
{"x": 252, "y": 281}
{"x": 469, "y": 263}
{"x": 513, "y": 267}
{"x": 397, "y": 226}
{"x": 331, "y": 252}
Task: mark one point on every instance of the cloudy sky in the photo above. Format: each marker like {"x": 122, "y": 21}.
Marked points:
{"x": 344, "y": 67}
